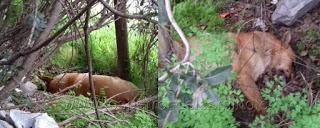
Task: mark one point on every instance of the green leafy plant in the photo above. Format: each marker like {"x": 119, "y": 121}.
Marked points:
{"x": 139, "y": 120}
{"x": 211, "y": 51}
{"x": 228, "y": 95}
{"x": 208, "y": 116}
{"x": 294, "y": 107}
{"x": 176, "y": 112}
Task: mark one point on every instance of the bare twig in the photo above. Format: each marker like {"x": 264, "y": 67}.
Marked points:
{"x": 143, "y": 17}
{"x": 34, "y": 24}
{"x": 117, "y": 95}
{"x": 310, "y": 93}
{"x": 89, "y": 62}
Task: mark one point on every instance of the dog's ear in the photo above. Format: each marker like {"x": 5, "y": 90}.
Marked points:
{"x": 286, "y": 38}
{"x": 46, "y": 79}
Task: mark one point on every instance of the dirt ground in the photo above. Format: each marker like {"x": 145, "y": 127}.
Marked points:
{"x": 305, "y": 43}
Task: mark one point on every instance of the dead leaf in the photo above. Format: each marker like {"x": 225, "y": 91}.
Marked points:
{"x": 304, "y": 53}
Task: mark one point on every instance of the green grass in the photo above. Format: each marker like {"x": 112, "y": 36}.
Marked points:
{"x": 216, "y": 51}
{"x": 213, "y": 41}
{"x": 104, "y": 56}
{"x": 104, "y": 50}
{"x": 67, "y": 56}
{"x": 191, "y": 15}
{"x": 70, "y": 106}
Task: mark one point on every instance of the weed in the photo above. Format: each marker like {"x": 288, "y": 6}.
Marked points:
{"x": 228, "y": 95}
{"x": 139, "y": 120}
{"x": 293, "y": 107}
{"x": 208, "y": 116}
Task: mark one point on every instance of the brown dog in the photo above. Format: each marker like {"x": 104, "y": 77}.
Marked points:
{"x": 257, "y": 52}
{"x": 113, "y": 87}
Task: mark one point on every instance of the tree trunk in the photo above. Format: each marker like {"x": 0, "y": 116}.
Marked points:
{"x": 122, "y": 40}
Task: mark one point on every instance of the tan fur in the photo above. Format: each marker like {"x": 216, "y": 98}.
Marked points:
{"x": 256, "y": 52}
{"x": 111, "y": 86}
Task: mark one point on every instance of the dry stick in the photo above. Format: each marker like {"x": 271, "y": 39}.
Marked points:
{"x": 117, "y": 95}
{"x": 14, "y": 57}
{"x": 91, "y": 122}
{"x": 166, "y": 118}
{"x": 89, "y": 62}
{"x": 138, "y": 103}
{"x": 29, "y": 43}
{"x": 310, "y": 95}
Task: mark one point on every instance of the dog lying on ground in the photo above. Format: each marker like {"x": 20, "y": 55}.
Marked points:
{"x": 257, "y": 52}
{"x": 112, "y": 87}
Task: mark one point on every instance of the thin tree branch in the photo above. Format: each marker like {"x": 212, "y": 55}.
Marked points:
{"x": 74, "y": 36}
{"x": 119, "y": 13}
{"x": 89, "y": 63}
